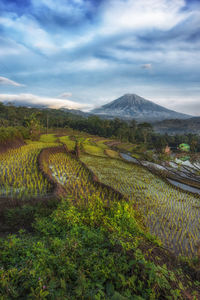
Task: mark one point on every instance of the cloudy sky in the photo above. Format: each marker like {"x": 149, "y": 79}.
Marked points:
{"x": 84, "y": 53}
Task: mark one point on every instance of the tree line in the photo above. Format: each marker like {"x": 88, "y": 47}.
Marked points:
{"x": 35, "y": 120}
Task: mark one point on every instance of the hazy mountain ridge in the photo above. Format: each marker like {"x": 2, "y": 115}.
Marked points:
{"x": 132, "y": 106}
{"x": 191, "y": 125}
{"x": 127, "y": 107}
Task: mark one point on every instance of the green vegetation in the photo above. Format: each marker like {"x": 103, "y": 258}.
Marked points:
{"x": 101, "y": 143}
{"x": 19, "y": 174}
{"x": 136, "y": 151}
{"x": 9, "y": 134}
{"x": 91, "y": 147}
{"x": 74, "y": 178}
{"x": 86, "y": 252}
{"x": 171, "y": 214}
{"x": 111, "y": 153}
{"x": 67, "y": 140}
{"x": 48, "y": 138}
{"x": 184, "y": 147}
{"x": 93, "y": 241}
{"x": 36, "y": 120}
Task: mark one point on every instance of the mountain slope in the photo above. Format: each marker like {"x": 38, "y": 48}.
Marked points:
{"x": 191, "y": 125}
{"x": 131, "y": 106}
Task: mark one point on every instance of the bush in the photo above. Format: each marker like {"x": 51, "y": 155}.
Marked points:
{"x": 83, "y": 252}
{"x": 9, "y": 134}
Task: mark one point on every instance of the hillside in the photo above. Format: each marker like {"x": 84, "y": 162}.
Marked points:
{"x": 84, "y": 228}
{"x": 131, "y": 106}
{"x": 191, "y": 125}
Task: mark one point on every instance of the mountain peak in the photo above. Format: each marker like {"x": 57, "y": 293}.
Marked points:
{"x": 131, "y": 95}
{"x": 132, "y": 106}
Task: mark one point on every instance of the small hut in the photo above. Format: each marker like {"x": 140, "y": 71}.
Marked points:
{"x": 184, "y": 147}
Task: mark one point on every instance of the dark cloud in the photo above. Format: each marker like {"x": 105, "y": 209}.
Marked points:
{"x": 78, "y": 15}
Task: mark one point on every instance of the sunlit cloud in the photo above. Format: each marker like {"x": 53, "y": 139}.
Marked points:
{"x": 34, "y": 100}
{"x": 123, "y": 15}
{"x": 6, "y": 81}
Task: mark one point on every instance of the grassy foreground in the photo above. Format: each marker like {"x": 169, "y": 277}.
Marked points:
{"x": 86, "y": 252}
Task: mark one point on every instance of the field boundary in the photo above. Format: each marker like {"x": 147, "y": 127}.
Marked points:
{"x": 162, "y": 176}
{"x": 9, "y": 145}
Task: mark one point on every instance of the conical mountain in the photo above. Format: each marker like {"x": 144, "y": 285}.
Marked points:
{"x": 132, "y": 106}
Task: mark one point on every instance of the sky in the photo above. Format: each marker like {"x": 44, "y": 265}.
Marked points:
{"x": 84, "y": 53}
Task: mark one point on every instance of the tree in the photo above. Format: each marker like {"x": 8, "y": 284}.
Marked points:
{"x": 193, "y": 144}
{"x": 34, "y": 125}
{"x": 159, "y": 143}
{"x": 145, "y": 129}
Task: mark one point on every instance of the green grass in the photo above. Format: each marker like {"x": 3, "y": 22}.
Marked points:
{"x": 90, "y": 147}
{"x": 136, "y": 151}
{"x": 68, "y": 142}
{"x": 111, "y": 153}
{"x": 125, "y": 146}
{"x": 48, "y": 138}
{"x": 101, "y": 143}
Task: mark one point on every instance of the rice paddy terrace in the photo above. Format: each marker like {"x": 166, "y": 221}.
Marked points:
{"x": 171, "y": 214}
{"x": 20, "y": 178}
{"x": 83, "y": 167}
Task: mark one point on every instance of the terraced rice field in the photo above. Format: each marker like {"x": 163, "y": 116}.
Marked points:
{"x": 48, "y": 138}
{"x": 19, "y": 174}
{"x": 75, "y": 179}
{"x": 68, "y": 141}
{"x": 170, "y": 214}
{"x": 90, "y": 147}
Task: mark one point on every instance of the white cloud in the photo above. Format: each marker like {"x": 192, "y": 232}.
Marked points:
{"x": 10, "y": 47}
{"x": 120, "y": 15}
{"x": 30, "y": 99}
{"x": 93, "y": 63}
{"x": 78, "y": 41}
{"x": 6, "y": 81}
{"x": 29, "y": 32}
{"x": 81, "y": 65}
{"x": 187, "y": 103}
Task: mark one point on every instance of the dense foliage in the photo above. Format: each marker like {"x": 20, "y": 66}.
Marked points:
{"x": 39, "y": 119}
{"x": 9, "y": 134}
{"x": 85, "y": 252}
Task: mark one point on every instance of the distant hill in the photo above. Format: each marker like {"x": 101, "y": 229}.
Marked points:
{"x": 191, "y": 125}
{"x": 77, "y": 112}
{"x": 131, "y": 106}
